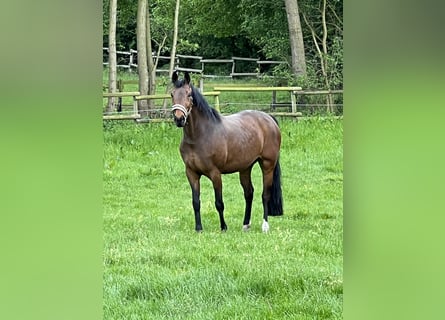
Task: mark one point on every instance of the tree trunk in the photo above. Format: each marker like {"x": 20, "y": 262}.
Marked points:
{"x": 141, "y": 38}
{"x": 175, "y": 40}
{"x": 112, "y": 58}
{"x": 329, "y": 98}
{"x": 150, "y": 63}
{"x": 296, "y": 38}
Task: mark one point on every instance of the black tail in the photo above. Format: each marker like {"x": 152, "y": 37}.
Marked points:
{"x": 276, "y": 198}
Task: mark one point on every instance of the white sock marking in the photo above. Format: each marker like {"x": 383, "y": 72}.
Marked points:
{"x": 246, "y": 227}
{"x": 265, "y": 226}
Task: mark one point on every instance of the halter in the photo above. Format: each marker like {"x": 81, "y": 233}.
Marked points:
{"x": 183, "y": 109}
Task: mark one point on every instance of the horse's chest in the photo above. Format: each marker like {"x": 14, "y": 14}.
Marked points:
{"x": 198, "y": 159}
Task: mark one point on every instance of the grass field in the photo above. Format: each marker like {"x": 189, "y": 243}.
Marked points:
{"x": 157, "y": 267}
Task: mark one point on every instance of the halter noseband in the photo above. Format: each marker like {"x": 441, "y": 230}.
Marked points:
{"x": 183, "y": 109}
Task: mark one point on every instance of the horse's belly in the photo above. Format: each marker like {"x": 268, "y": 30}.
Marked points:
{"x": 239, "y": 158}
{"x": 231, "y": 167}
{"x": 224, "y": 162}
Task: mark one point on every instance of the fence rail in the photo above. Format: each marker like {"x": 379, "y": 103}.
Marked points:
{"x": 291, "y": 90}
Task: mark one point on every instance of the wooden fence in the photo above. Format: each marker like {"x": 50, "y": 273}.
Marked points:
{"x": 134, "y": 114}
{"x": 130, "y": 57}
{"x": 293, "y": 91}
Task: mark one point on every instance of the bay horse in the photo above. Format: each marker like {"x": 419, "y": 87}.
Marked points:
{"x": 213, "y": 144}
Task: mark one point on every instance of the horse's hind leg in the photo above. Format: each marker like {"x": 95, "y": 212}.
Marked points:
{"x": 246, "y": 183}
{"x": 267, "y": 167}
{"x": 219, "y": 204}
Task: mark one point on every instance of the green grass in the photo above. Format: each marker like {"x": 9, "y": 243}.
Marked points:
{"x": 157, "y": 267}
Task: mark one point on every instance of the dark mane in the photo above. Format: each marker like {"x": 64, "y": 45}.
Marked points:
{"x": 201, "y": 103}
{"x": 203, "y": 106}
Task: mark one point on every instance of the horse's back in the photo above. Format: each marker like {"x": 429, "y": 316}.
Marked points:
{"x": 253, "y": 117}
{"x": 250, "y": 135}
{"x": 253, "y": 123}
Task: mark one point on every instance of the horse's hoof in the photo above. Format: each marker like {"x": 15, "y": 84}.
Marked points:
{"x": 246, "y": 227}
{"x": 265, "y": 226}
{"x": 224, "y": 229}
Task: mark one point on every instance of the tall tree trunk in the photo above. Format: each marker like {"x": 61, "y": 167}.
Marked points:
{"x": 112, "y": 58}
{"x": 150, "y": 63}
{"x": 175, "y": 40}
{"x": 141, "y": 38}
{"x": 329, "y": 98}
{"x": 296, "y": 38}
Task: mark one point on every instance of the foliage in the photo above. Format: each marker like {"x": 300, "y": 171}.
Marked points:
{"x": 217, "y": 18}
{"x": 247, "y": 28}
{"x": 335, "y": 61}
{"x": 162, "y": 13}
{"x": 126, "y": 24}
{"x": 265, "y": 23}
{"x": 157, "y": 267}
{"x": 312, "y": 11}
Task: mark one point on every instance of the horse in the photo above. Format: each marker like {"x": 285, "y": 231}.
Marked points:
{"x": 213, "y": 144}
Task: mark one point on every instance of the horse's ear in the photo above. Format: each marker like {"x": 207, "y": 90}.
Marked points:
{"x": 174, "y": 76}
{"x": 187, "y": 78}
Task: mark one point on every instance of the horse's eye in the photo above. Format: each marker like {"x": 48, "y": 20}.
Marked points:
{"x": 171, "y": 93}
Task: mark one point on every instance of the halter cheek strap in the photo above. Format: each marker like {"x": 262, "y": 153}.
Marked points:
{"x": 183, "y": 109}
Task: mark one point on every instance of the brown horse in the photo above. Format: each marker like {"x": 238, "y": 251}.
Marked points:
{"x": 213, "y": 144}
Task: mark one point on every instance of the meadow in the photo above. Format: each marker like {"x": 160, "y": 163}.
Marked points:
{"x": 157, "y": 267}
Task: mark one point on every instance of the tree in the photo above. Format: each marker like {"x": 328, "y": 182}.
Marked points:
{"x": 150, "y": 64}
{"x": 112, "y": 58}
{"x": 296, "y": 38}
{"x": 246, "y": 28}
{"x": 327, "y": 39}
{"x": 141, "y": 36}
{"x": 175, "y": 38}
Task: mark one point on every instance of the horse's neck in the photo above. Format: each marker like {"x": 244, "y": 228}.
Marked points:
{"x": 197, "y": 127}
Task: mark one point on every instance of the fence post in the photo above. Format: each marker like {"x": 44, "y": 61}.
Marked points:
{"x": 201, "y": 84}
{"x": 131, "y": 62}
{"x": 293, "y": 101}
{"x": 217, "y": 103}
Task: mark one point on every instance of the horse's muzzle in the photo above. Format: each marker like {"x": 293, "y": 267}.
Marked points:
{"x": 180, "y": 122}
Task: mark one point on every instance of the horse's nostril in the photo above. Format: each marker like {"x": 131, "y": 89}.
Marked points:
{"x": 180, "y": 122}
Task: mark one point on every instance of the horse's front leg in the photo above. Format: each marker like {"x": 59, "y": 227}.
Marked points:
{"x": 246, "y": 183}
{"x": 193, "y": 179}
{"x": 219, "y": 204}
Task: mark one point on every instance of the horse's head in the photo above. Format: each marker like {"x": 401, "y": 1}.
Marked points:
{"x": 181, "y": 98}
